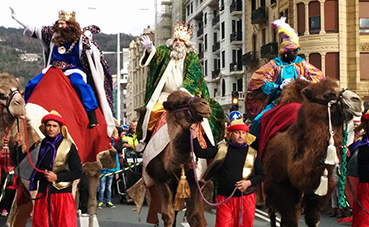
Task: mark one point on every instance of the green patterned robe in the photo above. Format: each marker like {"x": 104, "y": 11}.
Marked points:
{"x": 193, "y": 82}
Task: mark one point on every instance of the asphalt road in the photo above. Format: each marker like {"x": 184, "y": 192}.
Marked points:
{"x": 124, "y": 215}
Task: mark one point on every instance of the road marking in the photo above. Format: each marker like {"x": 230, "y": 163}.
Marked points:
{"x": 186, "y": 225}
{"x": 264, "y": 216}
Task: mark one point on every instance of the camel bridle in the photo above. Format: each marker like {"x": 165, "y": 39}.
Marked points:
{"x": 6, "y": 100}
{"x": 186, "y": 107}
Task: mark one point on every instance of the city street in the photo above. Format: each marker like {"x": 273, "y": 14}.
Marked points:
{"x": 124, "y": 215}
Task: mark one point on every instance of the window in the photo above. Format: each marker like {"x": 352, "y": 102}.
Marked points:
{"x": 206, "y": 68}
{"x": 188, "y": 10}
{"x": 191, "y": 7}
{"x": 332, "y": 69}
{"x": 262, "y": 3}
{"x": 223, "y": 59}
{"x": 314, "y": 23}
{"x": 223, "y": 30}
{"x": 206, "y": 42}
{"x": 263, "y": 37}
{"x": 314, "y": 17}
{"x": 223, "y": 88}
{"x": 239, "y": 84}
{"x": 253, "y": 5}
{"x": 364, "y": 25}
{"x": 234, "y": 87}
{"x": 315, "y": 59}
{"x": 215, "y": 92}
{"x": 364, "y": 66}
{"x": 364, "y": 16}
{"x": 331, "y": 16}
{"x": 234, "y": 56}
{"x": 221, "y": 5}
{"x": 205, "y": 18}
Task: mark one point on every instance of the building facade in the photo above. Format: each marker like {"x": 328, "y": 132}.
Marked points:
{"x": 218, "y": 34}
{"x": 234, "y": 38}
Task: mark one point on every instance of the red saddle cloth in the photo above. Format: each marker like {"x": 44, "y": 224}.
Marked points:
{"x": 55, "y": 92}
{"x": 276, "y": 120}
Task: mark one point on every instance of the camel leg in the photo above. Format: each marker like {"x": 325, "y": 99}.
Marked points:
{"x": 166, "y": 204}
{"x": 285, "y": 199}
{"x": 21, "y": 209}
{"x": 93, "y": 174}
{"x": 313, "y": 208}
{"x": 195, "y": 206}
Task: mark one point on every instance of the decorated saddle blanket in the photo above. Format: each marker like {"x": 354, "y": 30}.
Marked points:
{"x": 276, "y": 120}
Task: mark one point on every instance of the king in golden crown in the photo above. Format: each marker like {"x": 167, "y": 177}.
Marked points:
{"x": 182, "y": 31}
{"x": 67, "y": 16}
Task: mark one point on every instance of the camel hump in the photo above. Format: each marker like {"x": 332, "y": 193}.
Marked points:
{"x": 276, "y": 120}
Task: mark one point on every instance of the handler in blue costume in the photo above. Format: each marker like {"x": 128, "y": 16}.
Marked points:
{"x": 65, "y": 39}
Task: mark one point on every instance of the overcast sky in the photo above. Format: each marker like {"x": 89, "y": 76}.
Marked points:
{"x": 112, "y": 16}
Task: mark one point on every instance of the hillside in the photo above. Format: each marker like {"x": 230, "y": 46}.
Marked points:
{"x": 13, "y": 44}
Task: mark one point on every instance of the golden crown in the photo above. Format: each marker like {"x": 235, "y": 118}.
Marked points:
{"x": 67, "y": 16}
{"x": 182, "y": 31}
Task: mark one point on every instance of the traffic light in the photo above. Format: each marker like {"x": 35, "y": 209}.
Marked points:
{"x": 234, "y": 100}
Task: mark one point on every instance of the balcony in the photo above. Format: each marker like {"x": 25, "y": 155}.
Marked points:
{"x": 216, "y": 46}
{"x": 200, "y": 32}
{"x": 249, "y": 58}
{"x": 236, "y": 37}
{"x": 215, "y": 74}
{"x": 236, "y": 8}
{"x": 269, "y": 50}
{"x": 235, "y": 67}
{"x": 259, "y": 15}
{"x": 216, "y": 20}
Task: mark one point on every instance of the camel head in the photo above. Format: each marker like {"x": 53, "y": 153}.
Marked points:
{"x": 344, "y": 102}
{"x": 11, "y": 100}
{"x": 186, "y": 109}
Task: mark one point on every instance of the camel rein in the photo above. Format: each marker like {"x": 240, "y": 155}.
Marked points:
{"x": 186, "y": 108}
{"x": 200, "y": 188}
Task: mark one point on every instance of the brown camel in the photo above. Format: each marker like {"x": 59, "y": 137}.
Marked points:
{"x": 93, "y": 158}
{"x": 165, "y": 169}
{"x": 293, "y": 159}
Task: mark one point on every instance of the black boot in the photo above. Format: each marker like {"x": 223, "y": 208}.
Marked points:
{"x": 92, "y": 118}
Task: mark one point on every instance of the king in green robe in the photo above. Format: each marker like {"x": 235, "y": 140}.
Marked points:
{"x": 165, "y": 76}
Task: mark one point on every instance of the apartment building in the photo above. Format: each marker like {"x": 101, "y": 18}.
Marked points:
{"x": 137, "y": 75}
{"x": 334, "y": 36}
{"x": 218, "y": 34}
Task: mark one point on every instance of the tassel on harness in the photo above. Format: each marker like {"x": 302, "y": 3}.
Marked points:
{"x": 183, "y": 191}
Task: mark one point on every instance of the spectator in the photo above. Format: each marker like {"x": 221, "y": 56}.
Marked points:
{"x": 105, "y": 185}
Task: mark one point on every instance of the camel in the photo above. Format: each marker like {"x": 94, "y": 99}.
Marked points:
{"x": 164, "y": 169}
{"x": 94, "y": 155}
{"x": 294, "y": 159}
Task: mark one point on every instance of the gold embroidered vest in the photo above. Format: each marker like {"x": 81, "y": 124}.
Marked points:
{"x": 220, "y": 156}
{"x": 60, "y": 163}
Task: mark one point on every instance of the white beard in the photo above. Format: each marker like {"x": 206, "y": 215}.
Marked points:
{"x": 178, "y": 52}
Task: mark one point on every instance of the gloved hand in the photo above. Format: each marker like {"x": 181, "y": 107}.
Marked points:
{"x": 284, "y": 83}
{"x": 304, "y": 78}
{"x": 146, "y": 43}
{"x": 16, "y": 19}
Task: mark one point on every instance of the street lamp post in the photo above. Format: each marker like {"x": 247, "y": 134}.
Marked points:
{"x": 118, "y": 78}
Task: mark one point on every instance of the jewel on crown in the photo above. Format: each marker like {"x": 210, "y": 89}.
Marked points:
{"x": 182, "y": 31}
{"x": 67, "y": 16}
